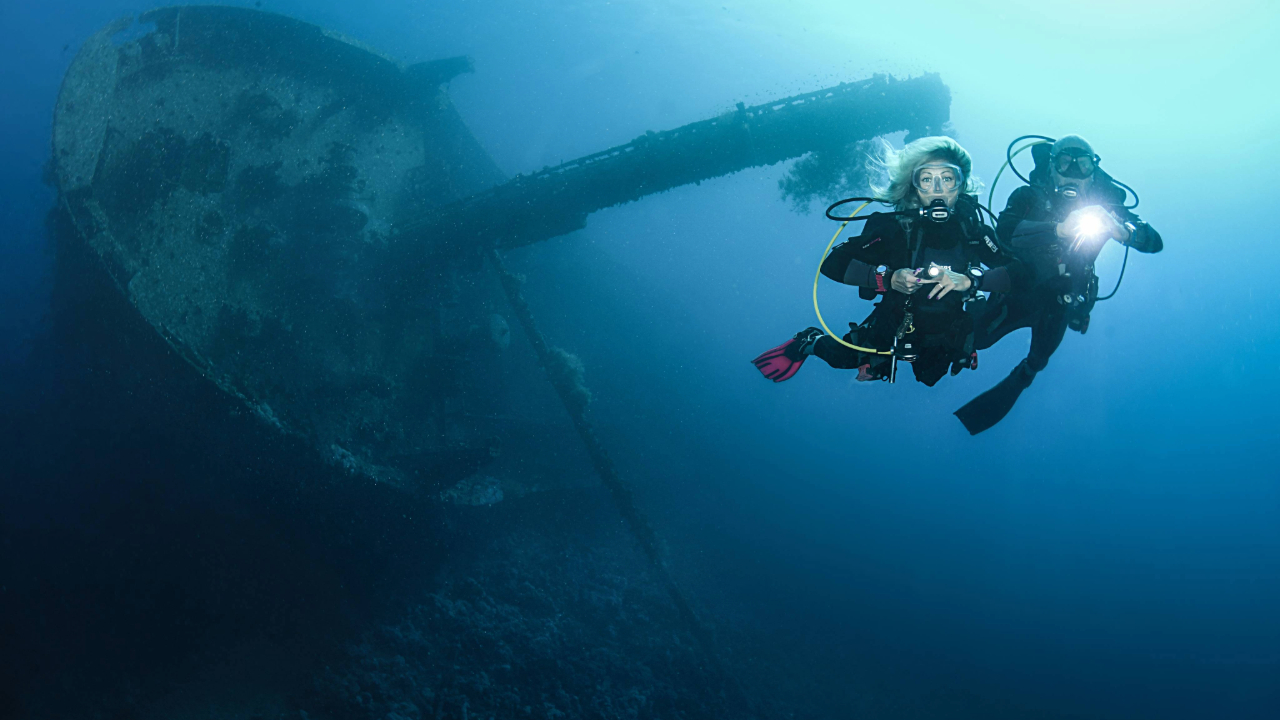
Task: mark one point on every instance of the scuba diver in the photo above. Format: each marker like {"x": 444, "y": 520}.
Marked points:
{"x": 925, "y": 260}
{"x": 1056, "y": 226}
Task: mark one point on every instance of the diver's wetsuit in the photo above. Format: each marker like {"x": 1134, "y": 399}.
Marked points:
{"x": 898, "y": 242}
{"x": 1062, "y": 287}
{"x": 1058, "y": 290}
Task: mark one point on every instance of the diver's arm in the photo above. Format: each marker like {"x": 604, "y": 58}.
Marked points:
{"x": 1001, "y": 267}
{"x": 902, "y": 280}
{"x": 863, "y": 275}
{"x": 1015, "y": 231}
{"x": 836, "y": 265}
{"x": 997, "y": 280}
{"x": 1145, "y": 239}
{"x": 854, "y": 262}
{"x": 1034, "y": 234}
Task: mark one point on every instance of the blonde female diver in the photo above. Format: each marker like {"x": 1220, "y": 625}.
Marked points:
{"x": 922, "y": 266}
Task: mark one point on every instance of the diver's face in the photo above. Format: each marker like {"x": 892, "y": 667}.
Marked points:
{"x": 936, "y": 180}
{"x": 1083, "y": 183}
{"x": 1074, "y": 166}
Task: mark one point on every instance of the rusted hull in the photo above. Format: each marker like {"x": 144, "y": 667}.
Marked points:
{"x": 239, "y": 174}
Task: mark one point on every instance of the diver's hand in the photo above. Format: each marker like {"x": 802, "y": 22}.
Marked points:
{"x": 1094, "y": 225}
{"x": 906, "y": 282}
{"x": 1070, "y": 226}
{"x": 1116, "y": 229}
{"x": 948, "y": 281}
{"x": 1107, "y": 227}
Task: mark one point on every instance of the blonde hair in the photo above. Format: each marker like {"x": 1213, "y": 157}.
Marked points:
{"x": 898, "y": 166}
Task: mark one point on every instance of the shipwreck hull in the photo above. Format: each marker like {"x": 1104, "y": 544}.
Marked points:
{"x": 238, "y": 174}
{"x": 305, "y": 222}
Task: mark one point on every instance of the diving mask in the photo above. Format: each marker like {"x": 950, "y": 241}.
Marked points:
{"x": 937, "y": 178}
{"x": 1075, "y": 163}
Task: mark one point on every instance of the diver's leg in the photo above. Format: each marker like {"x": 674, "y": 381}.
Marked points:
{"x": 1013, "y": 312}
{"x": 993, "y": 405}
{"x": 836, "y": 354}
{"x": 989, "y": 408}
{"x": 1046, "y": 336}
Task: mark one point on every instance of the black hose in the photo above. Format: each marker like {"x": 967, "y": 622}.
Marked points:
{"x": 1132, "y": 192}
{"x": 1008, "y": 152}
{"x": 838, "y": 218}
{"x": 990, "y": 214}
{"x": 1120, "y": 279}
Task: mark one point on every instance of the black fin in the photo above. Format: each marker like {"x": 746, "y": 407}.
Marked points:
{"x": 989, "y": 408}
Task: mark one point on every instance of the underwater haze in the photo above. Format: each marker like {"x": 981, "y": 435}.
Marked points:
{"x": 1110, "y": 550}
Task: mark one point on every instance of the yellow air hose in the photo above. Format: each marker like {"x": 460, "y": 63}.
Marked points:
{"x": 818, "y": 275}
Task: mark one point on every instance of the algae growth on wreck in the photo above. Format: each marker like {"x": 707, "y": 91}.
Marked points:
{"x": 304, "y": 220}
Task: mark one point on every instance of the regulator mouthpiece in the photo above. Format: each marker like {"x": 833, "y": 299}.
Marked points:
{"x": 937, "y": 211}
{"x": 1071, "y": 191}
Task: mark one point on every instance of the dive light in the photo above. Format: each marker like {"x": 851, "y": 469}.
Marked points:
{"x": 1091, "y": 224}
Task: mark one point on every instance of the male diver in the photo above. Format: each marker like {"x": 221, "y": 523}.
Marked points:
{"x": 1056, "y": 226}
{"x": 924, "y": 260}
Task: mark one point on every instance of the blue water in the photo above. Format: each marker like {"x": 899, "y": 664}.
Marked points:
{"x": 1111, "y": 550}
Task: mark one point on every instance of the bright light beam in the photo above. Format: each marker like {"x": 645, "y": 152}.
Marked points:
{"x": 1090, "y": 226}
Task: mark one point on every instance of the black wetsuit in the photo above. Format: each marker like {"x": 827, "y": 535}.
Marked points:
{"x": 1058, "y": 287}
{"x": 1061, "y": 287}
{"x": 944, "y": 330}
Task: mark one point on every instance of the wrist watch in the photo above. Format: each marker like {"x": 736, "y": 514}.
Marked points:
{"x": 881, "y": 284}
{"x": 1132, "y": 228}
{"x": 975, "y": 276}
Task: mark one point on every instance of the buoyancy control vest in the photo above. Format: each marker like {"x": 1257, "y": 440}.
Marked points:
{"x": 959, "y": 244}
{"x": 976, "y": 239}
{"x": 1068, "y": 275}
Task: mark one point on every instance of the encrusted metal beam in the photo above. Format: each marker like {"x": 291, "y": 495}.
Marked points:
{"x": 557, "y": 200}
